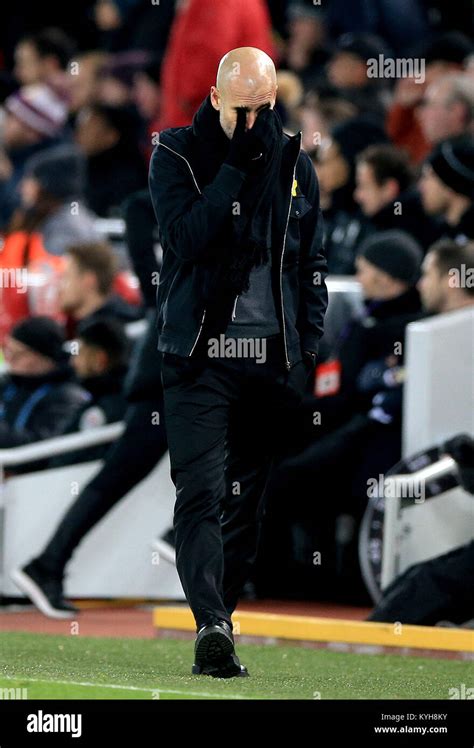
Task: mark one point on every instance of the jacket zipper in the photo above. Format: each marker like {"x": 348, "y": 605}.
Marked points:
{"x": 235, "y": 306}
{"x": 288, "y": 364}
{"x": 199, "y": 332}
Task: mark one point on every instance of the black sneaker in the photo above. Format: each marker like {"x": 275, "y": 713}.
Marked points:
{"x": 44, "y": 591}
{"x": 214, "y": 653}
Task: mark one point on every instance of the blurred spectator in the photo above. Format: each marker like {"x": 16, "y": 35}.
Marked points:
{"x": 386, "y": 194}
{"x": 84, "y": 81}
{"x": 444, "y": 54}
{"x": 52, "y": 187}
{"x": 447, "y": 281}
{"x": 34, "y": 120}
{"x": 348, "y": 72}
{"x": 146, "y": 91}
{"x": 447, "y": 187}
{"x": 146, "y": 95}
{"x": 447, "y": 109}
{"x": 87, "y": 284}
{"x": 202, "y": 33}
{"x": 290, "y": 96}
{"x": 336, "y": 172}
{"x": 134, "y": 24}
{"x": 115, "y": 167}
{"x": 102, "y": 350}
{"x": 100, "y": 364}
{"x": 116, "y": 80}
{"x": 318, "y": 116}
{"x": 306, "y": 50}
{"x": 42, "y": 57}
{"x": 51, "y": 218}
{"x": 38, "y": 395}
{"x": 388, "y": 268}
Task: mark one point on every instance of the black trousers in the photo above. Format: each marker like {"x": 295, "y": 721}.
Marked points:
{"x": 128, "y": 461}
{"x": 226, "y": 420}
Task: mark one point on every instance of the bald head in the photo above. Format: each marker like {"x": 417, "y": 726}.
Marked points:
{"x": 247, "y": 67}
{"x": 246, "y": 78}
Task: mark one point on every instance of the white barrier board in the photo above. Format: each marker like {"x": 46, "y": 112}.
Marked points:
{"x": 438, "y": 404}
{"x": 115, "y": 559}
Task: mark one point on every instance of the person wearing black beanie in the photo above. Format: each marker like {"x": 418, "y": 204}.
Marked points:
{"x": 44, "y": 336}
{"x": 447, "y": 187}
{"x": 388, "y": 268}
{"x": 38, "y": 394}
{"x": 394, "y": 252}
{"x": 453, "y": 163}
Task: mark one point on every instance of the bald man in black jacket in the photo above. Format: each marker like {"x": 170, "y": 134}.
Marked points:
{"x": 241, "y": 303}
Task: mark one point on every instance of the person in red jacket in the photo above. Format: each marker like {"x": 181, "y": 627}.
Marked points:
{"x": 202, "y": 32}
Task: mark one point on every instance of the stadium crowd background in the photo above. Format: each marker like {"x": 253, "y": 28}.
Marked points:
{"x": 86, "y": 87}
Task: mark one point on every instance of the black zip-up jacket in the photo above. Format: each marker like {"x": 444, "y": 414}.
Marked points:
{"x": 190, "y": 215}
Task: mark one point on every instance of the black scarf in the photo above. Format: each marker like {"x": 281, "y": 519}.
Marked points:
{"x": 245, "y": 239}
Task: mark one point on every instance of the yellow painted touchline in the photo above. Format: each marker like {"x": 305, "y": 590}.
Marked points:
{"x": 308, "y": 628}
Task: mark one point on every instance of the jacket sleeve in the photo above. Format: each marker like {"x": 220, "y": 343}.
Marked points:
{"x": 187, "y": 218}
{"x": 313, "y": 266}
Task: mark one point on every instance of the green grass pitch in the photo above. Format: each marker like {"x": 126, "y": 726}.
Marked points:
{"x": 77, "y": 667}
